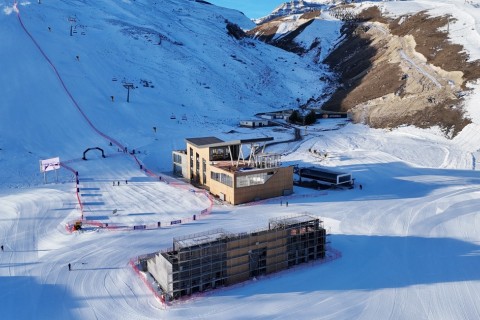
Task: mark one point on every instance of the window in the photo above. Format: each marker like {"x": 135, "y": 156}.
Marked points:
{"x": 204, "y": 171}
{"x": 191, "y": 157}
{"x": 177, "y": 169}
{"x": 222, "y": 178}
{"x": 220, "y": 153}
{"x": 177, "y": 158}
{"x": 254, "y": 179}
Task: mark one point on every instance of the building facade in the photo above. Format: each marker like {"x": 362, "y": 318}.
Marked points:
{"x": 254, "y": 123}
{"x": 220, "y": 167}
{"x": 217, "y": 258}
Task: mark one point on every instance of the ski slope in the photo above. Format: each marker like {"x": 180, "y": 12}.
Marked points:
{"x": 409, "y": 239}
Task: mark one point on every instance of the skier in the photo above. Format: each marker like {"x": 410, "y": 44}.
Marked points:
{"x": 360, "y": 186}
{"x": 286, "y": 203}
{"x": 2, "y": 247}
{"x": 69, "y": 267}
{"x": 118, "y": 183}
{"x": 126, "y": 181}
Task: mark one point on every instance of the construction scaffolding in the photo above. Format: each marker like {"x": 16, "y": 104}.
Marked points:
{"x": 216, "y": 258}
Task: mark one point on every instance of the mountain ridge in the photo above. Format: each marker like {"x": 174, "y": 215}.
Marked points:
{"x": 378, "y": 93}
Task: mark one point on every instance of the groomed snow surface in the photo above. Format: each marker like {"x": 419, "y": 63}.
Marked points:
{"x": 409, "y": 239}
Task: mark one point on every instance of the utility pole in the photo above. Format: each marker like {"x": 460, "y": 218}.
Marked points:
{"x": 128, "y": 86}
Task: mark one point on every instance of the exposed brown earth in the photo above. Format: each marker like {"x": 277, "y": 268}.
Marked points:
{"x": 392, "y": 72}
{"x": 267, "y": 31}
{"x": 402, "y": 71}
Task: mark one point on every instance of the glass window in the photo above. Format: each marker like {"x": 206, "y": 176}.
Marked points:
{"x": 222, "y": 178}
{"x": 253, "y": 179}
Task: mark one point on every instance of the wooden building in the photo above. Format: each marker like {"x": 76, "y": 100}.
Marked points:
{"x": 221, "y": 167}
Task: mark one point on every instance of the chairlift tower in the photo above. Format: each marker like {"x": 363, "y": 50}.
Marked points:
{"x": 72, "y": 20}
{"x": 128, "y": 86}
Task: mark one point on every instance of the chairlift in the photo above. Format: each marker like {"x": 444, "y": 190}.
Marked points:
{"x": 173, "y": 117}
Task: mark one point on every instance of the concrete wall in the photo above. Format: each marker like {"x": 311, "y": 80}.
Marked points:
{"x": 203, "y": 155}
{"x": 161, "y": 269}
{"x": 217, "y": 187}
{"x": 183, "y": 164}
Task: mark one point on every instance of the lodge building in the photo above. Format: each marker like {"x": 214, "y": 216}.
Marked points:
{"x": 221, "y": 167}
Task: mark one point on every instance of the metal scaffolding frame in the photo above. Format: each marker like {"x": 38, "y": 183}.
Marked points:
{"x": 207, "y": 260}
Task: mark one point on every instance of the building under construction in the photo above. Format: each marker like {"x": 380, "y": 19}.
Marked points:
{"x": 216, "y": 258}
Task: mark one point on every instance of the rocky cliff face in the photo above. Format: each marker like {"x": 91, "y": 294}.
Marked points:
{"x": 390, "y": 72}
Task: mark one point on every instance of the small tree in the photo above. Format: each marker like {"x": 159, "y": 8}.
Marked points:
{"x": 294, "y": 117}
{"x": 310, "y": 118}
{"x": 235, "y": 31}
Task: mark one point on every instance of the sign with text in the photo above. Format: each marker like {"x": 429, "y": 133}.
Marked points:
{"x": 49, "y": 164}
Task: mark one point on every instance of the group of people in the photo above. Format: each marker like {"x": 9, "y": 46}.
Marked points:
{"x": 118, "y": 182}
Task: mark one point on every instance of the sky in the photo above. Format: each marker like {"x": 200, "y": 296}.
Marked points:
{"x": 409, "y": 239}
{"x": 251, "y": 8}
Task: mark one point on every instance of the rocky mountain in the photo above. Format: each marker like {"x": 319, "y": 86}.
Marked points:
{"x": 294, "y": 7}
{"x": 394, "y": 66}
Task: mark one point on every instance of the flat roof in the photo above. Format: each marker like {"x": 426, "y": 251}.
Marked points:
{"x": 203, "y": 141}
{"x": 199, "y": 238}
{"x": 293, "y": 219}
{"x": 322, "y": 172}
{"x": 216, "y": 142}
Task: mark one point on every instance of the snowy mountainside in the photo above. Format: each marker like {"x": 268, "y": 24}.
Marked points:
{"x": 177, "y": 54}
{"x": 407, "y": 242}
{"x": 294, "y": 7}
{"x": 397, "y": 62}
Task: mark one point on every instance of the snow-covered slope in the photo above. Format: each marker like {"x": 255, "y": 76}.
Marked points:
{"x": 409, "y": 239}
{"x": 178, "y": 56}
